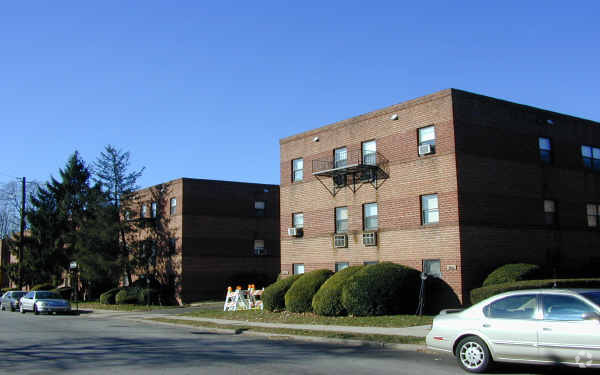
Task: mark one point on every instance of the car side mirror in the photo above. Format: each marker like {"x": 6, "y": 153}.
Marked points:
{"x": 591, "y": 316}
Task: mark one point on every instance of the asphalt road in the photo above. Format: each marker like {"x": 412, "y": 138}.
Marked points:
{"x": 86, "y": 344}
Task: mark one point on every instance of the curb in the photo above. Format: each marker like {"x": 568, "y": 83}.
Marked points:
{"x": 282, "y": 337}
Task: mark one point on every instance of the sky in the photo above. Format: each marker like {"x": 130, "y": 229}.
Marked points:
{"x": 206, "y": 89}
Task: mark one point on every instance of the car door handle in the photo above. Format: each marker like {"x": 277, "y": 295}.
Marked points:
{"x": 547, "y": 329}
{"x": 487, "y": 325}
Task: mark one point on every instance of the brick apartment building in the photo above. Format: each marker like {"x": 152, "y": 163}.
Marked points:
{"x": 216, "y": 229}
{"x": 452, "y": 183}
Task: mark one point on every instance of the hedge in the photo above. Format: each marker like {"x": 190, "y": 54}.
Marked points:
{"x": 513, "y": 272}
{"x": 108, "y": 297}
{"x": 44, "y": 286}
{"x": 328, "y": 299}
{"x": 274, "y": 295}
{"x": 482, "y": 293}
{"x": 298, "y": 298}
{"x": 4, "y": 290}
{"x": 127, "y": 296}
{"x": 382, "y": 289}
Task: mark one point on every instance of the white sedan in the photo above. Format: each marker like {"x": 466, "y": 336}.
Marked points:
{"x": 44, "y": 301}
{"x": 540, "y": 326}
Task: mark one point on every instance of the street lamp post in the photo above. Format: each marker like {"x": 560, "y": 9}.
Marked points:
{"x": 74, "y": 268}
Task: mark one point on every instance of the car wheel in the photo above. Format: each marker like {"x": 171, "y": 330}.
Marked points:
{"x": 21, "y": 309}
{"x": 35, "y": 310}
{"x": 473, "y": 354}
{"x": 2, "y": 307}
{"x": 12, "y": 308}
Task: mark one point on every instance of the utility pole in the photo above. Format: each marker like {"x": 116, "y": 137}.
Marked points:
{"x": 22, "y": 234}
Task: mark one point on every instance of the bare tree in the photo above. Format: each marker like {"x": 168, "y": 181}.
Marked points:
{"x": 10, "y": 204}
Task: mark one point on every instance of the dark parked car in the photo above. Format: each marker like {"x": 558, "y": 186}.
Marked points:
{"x": 10, "y": 300}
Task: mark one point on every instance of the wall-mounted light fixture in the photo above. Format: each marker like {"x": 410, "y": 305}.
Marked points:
{"x": 316, "y": 139}
{"x": 394, "y": 116}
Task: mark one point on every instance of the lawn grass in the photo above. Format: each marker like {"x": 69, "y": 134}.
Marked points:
{"x": 264, "y": 316}
{"x": 387, "y": 339}
{"x": 127, "y": 307}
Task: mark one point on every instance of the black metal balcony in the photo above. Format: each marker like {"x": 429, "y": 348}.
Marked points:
{"x": 352, "y": 171}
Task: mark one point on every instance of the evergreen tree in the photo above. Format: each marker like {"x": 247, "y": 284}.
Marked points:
{"x": 111, "y": 171}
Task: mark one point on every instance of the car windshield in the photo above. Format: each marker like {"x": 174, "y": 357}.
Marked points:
{"x": 18, "y": 294}
{"x": 592, "y": 296}
{"x": 47, "y": 295}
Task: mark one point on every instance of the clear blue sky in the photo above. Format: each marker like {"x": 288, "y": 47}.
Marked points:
{"x": 206, "y": 89}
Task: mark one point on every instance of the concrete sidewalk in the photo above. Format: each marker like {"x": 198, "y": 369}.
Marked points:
{"x": 417, "y": 331}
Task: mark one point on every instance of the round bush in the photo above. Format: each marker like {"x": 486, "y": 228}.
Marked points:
{"x": 382, "y": 289}
{"x": 274, "y": 295}
{"x": 108, "y": 297}
{"x": 127, "y": 296}
{"x": 513, "y": 272}
{"x": 44, "y": 286}
{"x": 328, "y": 299}
{"x": 298, "y": 298}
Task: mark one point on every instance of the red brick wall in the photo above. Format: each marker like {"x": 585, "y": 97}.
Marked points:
{"x": 401, "y": 237}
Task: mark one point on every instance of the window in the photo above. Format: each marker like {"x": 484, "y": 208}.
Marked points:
{"x": 260, "y": 208}
{"x": 341, "y": 219}
{"x": 370, "y": 216}
{"x": 591, "y": 157}
{"x": 153, "y": 205}
{"x": 340, "y": 157}
{"x": 369, "y": 262}
{"x": 369, "y": 153}
{"x": 297, "y": 169}
{"x": 514, "y": 307}
{"x": 298, "y": 268}
{"x": 144, "y": 211}
{"x": 560, "y": 307}
{"x": 340, "y": 266}
{"x": 427, "y": 137}
{"x": 429, "y": 209}
{"x": 259, "y": 247}
{"x": 550, "y": 212}
{"x": 298, "y": 220}
{"x": 545, "y": 150}
{"x": 432, "y": 267}
{"x": 173, "y": 206}
{"x": 593, "y": 211}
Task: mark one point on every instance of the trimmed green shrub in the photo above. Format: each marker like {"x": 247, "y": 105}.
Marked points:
{"x": 298, "y": 298}
{"x": 108, "y": 297}
{"x": 142, "y": 296}
{"x": 274, "y": 295}
{"x": 127, "y": 296}
{"x": 44, "y": 286}
{"x": 513, "y": 272}
{"x": 382, "y": 289}
{"x": 482, "y": 293}
{"x": 328, "y": 299}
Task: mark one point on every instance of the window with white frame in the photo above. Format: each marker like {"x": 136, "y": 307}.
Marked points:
{"x": 260, "y": 207}
{"x": 370, "y": 216}
{"x": 427, "y": 137}
{"x": 340, "y": 157}
{"x": 591, "y": 157}
{"x": 173, "y": 206}
{"x": 369, "y": 152}
{"x": 298, "y": 268}
{"x": 144, "y": 211}
{"x": 549, "y": 212}
{"x": 545, "y": 146}
{"x": 298, "y": 220}
{"x": 259, "y": 247}
{"x": 429, "y": 209}
{"x": 153, "y": 205}
{"x": 340, "y": 266}
{"x": 341, "y": 219}
{"x": 432, "y": 267}
{"x": 297, "y": 169}
{"x": 593, "y": 211}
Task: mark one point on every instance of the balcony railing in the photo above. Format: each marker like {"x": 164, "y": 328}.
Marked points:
{"x": 354, "y": 161}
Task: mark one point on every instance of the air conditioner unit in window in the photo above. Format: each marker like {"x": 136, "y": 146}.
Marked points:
{"x": 295, "y": 232}
{"x": 340, "y": 240}
{"x": 369, "y": 238}
{"x": 425, "y": 149}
